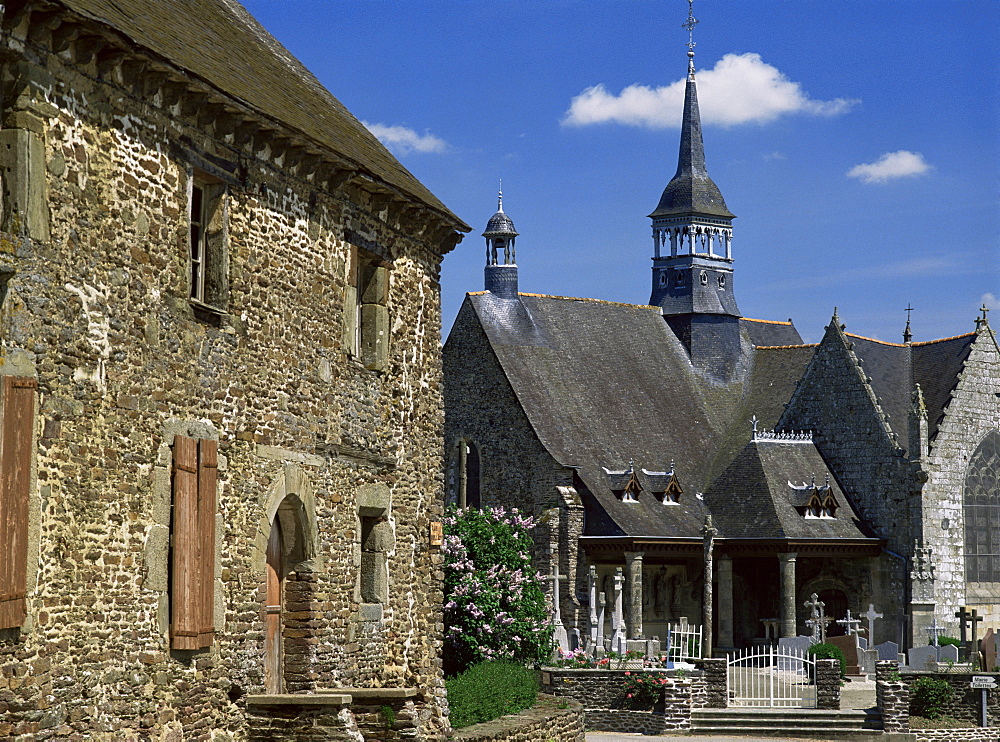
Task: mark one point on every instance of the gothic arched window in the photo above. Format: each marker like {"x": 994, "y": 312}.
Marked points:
{"x": 982, "y": 512}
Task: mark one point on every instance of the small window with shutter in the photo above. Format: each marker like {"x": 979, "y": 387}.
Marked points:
{"x": 366, "y": 315}
{"x": 17, "y": 421}
{"x": 192, "y": 599}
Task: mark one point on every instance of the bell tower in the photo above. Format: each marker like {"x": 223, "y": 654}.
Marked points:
{"x": 692, "y": 247}
{"x": 501, "y": 260}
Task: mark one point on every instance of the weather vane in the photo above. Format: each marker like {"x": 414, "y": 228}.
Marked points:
{"x": 689, "y": 24}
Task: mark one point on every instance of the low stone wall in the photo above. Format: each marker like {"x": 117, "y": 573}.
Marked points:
{"x": 957, "y": 735}
{"x": 892, "y": 696}
{"x": 543, "y": 721}
{"x": 966, "y": 702}
{"x": 828, "y": 684}
{"x": 608, "y": 708}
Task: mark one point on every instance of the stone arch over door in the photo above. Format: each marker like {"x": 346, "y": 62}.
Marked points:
{"x": 287, "y": 539}
{"x": 837, "y": 595}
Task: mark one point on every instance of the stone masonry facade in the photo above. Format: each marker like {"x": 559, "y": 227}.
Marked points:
{"x": 103, "y": 143}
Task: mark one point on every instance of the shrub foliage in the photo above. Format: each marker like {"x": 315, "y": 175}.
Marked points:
{"x": 494, "y": 605}
{"x": 930, "y": 697}
{"x": 829, "y": 652}
{"x": 489, "y": 690}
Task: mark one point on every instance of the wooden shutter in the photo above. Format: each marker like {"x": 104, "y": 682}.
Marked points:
{"x": 16, "y": 448}
{"x": 207, "y": 478}
{"x": 193, "y": 589}
{"x": 184, "y": 614}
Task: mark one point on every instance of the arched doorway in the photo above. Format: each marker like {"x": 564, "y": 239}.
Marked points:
{"x": 836, "y": 608}
{"x": 274, "y": 602}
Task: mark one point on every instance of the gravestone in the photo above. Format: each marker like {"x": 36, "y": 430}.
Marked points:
{"x": 948, "y": 653}
{"x": 923, "y": 658}
{"x": 866, "y": 660}
{"x": 799, "y": 645}
{"x": 849, "y": 646}
{"x": 887, "y": 651}
{"x": 989, "y": 650}
{"x": 618, "y": 618}
{"x": 862, "y": 643}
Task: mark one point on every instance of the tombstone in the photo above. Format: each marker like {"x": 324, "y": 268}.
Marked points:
{"x": 871, "y": 614}
{"x": 862, "y": 643}
{"x": 593, "y": 630}
{"x": 888, "y": 651}
{"x": 602, "y": 603}
{"x": 574, "y": 640}
{"x": 989, "y": 651}
{"x": 849, "y": 646}
{"x": 799, "y": 645}
{"x": 948, "y": 653}
{"x": 923, "y": 658}
{"x": 866, "y": 660}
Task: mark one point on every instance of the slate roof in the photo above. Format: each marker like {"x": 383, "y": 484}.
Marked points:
{"x": 691, "y": 190}
{"x": 500, "y": 225}
{"x": 603, "y": 383}
{"x": 219, "y": 42}
{"x": 895, "y": 369}
{"x": 771, "y": 333}
{"x": 754, "y": 497}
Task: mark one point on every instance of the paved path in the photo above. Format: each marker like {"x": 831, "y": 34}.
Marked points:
{"x": 617, "y": 737}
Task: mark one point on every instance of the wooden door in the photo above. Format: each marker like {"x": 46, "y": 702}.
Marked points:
{"x": 273, "y": 606}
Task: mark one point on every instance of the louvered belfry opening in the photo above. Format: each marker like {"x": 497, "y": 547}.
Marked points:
{"x": 193, "y": 543}
{"x": 16, "y": 447}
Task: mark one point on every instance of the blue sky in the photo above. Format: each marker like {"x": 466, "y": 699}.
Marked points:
{"x": 856, "y": 141}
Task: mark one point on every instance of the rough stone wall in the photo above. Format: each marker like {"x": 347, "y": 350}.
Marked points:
{"x": 835, "y": 400}
{"x": 966, "y": 702}
{"x": 974, "y": 410}
{"x": 957, "y": 735}
{"x": 548, "y": 719}
{"x": 97, "y": 309}
{"x": 892, "y": 698}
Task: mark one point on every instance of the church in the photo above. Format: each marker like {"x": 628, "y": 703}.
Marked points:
{"x": 644, "y": 436}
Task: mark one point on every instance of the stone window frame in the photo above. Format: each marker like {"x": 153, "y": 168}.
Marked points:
{"x": 366, "y": 308}
{"x": 374, "y": 543}
{"x": 975, "y": 572}
{"x": 208, "y": 241}
{"x": 466, "y": 467}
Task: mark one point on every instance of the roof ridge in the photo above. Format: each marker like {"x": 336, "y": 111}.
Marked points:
{"x": 767, "y": 321}
{"x": 783, "y": 347}
{"x": 943, "y": 340}
{"x": 876, "y": 340}
{"x": 583, "y": 298}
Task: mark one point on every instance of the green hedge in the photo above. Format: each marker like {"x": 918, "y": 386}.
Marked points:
{"x": 489, "y": 690}
{"x": 930, "y": 697}
{"x": 829, "y": 652}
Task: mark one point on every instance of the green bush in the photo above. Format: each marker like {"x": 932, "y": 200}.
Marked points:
{"x": 829, "y": 652}
{"x": 930, "y": 697}
{"x": 944, "y": 640}
{"x": 489, "y": 690}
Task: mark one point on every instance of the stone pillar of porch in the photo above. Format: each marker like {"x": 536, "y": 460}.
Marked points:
{"x": 725, "y": 599}
{"x": 633, "y": 627}
{"x": 787, "y": 593}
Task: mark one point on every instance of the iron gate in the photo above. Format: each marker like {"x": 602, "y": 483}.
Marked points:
{"x": 772, "y": 677}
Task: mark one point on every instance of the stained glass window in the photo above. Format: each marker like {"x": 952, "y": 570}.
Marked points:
{"x": 982, "y": 512}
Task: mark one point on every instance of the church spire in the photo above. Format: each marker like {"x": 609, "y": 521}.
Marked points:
{"x": 501, "y": 260}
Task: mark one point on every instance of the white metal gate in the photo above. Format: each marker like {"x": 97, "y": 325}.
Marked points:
{"x": 773, "y": 677}
{"x": 683, "y": 642}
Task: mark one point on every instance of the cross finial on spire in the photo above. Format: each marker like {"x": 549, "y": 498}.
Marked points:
{"x": 980, "y": 321}
{"x": 907, "y": 335}
{"x": 689, "y": 24}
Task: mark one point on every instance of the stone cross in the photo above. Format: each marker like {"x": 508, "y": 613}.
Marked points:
{"x": 602, "y": 602}
{"x": 962, "y": 615}
{"x": 818, "y": 620}
{"x": 559, "y": 634}
{"x": 871, "y": 614}
{"x": 592, "y": 592}
{"x": 852, "y": 625}
{"x": 617, "y": 619}
{"x": 934, "y": 631}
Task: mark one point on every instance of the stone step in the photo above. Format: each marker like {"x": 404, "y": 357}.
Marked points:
{"x": 851, "y": 724}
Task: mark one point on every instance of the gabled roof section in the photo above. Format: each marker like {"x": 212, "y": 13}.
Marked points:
{"x": 936, "y": 366}
{"x": 764, "y": 490}
{"x": 771, "y": 333}
{"x": 604, "y": 383}
{"x": 888, "y": 366}
{"x": 219, "y": 42}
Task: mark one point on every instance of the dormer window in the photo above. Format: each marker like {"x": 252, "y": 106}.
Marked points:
{"x": 819, "y": 501}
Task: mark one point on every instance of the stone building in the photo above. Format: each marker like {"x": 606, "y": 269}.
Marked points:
{"x": 220, "y": 440}
{"x": 860, "y": 470}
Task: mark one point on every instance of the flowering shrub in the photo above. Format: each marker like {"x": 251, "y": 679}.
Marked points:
{"x": 494, "y": 605}
{"x": 644, "y": 688}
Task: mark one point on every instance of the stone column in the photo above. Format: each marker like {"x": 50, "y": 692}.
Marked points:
{"x": 725, "y": 600}
{"x": 708, "y": 532}
{"x": 633, "y": 559}
{"x": 787, "y": 594}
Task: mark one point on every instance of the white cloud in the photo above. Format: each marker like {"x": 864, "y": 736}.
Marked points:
{"x": 402, "y": 140}
{"x": 740, "y": 89}
{"x": 990, "y": 301}
{"x": 891, "y": 165}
